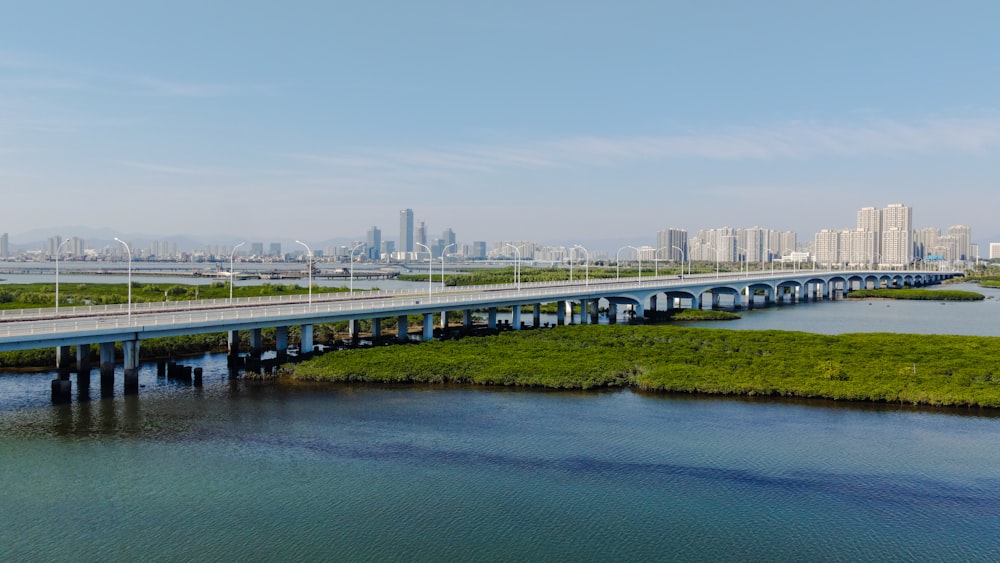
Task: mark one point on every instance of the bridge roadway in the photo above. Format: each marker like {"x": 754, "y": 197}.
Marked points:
{"x": 106, "y": 325}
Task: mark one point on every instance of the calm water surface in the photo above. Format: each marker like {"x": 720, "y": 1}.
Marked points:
{"x": 238, "y": 471}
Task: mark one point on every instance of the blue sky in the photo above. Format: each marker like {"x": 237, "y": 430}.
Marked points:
{"x": 546, "y": 121}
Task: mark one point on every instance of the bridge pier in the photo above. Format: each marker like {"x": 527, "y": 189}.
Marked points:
{"x": 492, "y": 319}
{"x": 536, "y": 315}
{"x": 63, "y": 361}
{"x": 354, "y": 329}
{"x": 281, "y": 343}
{"x": 561, "y": 312}
{"x": 83, "y": 368}
{"x": 233, "y": 342}
{"x": 306, "y": 345}
{"x": 402, "y": 328}
{"x": 107, "y": 352}
{"x": 583, "y": 312}
{"x": 652, "y": 303}
{"x": 516, "y": 317}
{"x": 612, "y": 313}
{"x": 376, "y": 328}
{"x": 444, "y": 322}
{"x": 256, "y": 343}
{"x": 467, "y": 319}
{"x": 428, "y": 326}
{"x": 131, "y": 349}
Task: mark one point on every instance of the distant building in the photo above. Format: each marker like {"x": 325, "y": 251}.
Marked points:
{"x": 373, "y": 243}
{"x": 257, "y": 249}
{"x": 672, "y": 244}
{"x": 406, "y": 231}
{"x": 994, "y": 249}
{"x": 478, "y": 251}
{"x": 4, "y": 246}
{"x": 275, "y": 250}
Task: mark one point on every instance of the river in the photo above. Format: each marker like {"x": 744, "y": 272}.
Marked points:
{"x": 261, "y": 472}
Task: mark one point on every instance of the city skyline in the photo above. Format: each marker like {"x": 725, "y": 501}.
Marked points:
{"x": 522, "y": 121}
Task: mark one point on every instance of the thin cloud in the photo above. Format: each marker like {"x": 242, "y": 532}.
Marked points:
{"x": 795, "y": 140}
{"x": 213, "y": 172}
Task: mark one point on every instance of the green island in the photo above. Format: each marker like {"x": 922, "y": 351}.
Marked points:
{"x": 916, "y": 294}
{"x": 938, "y": 370}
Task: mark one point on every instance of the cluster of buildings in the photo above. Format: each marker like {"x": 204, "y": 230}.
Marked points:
{"x": 880, "y": 238}
{"x": 886, "y": 238}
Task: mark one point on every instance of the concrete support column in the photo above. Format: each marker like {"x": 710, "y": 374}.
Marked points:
{"x": 749, "y": 299}
{"x": 107, "y": 368}
{"x": 467, "y": 319}
{"x": 64, "y": 359}
{"x": 428, "y": 326}
{"x": 256, "y": 343}
{"x": 715, "y": 300}
{"x": 652, "y": 303}
{"x": 306, "y": 346}
{"x": 492, "y": 321}
{"x": 738, "y": 301}
{"x": 83, "y": 368}
{"x": 83, "y": 359}
{"x": 402, "y": 328}
{"x": 354, "y": 328}
{"x": 584, "y": 317}
{"x": 131, "y": 349}
{"x": 444, "y": 321}
{"x": 536, "y": 315}
{"x": 612, "y": 313}
{"x": 696, "y": 301}
{"x": 593, "y": 311}
{"x": 515, "y": 320}
{"x": 233, "y": 340}
{"x": 561, "y": 313}
{"x": 376, "y": 328}
{"x": 281, "y": 342}
{"x": 640, "y": 311}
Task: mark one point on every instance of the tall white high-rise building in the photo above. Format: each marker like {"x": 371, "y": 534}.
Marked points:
{"x": 672, "y": 244}
{"x": 406, "y": 231}
{"x": 4, "y": 246}
{"x": 897, "y": 235}
{"x": 963, "y": 241}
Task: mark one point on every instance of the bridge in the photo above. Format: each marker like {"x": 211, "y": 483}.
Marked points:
{"x": 130, "y": 324}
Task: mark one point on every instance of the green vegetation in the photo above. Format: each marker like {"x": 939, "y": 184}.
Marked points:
{"x": 495, "y": 276}
{"x": 700, "y": 315}
{"x": 916, "y": 294}
{"x": 896, "y": 368}
{"x": 26, "y": 296}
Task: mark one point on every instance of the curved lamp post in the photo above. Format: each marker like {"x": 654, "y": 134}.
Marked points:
{"x": 682, "y": 261}
{"x": 430, "y": 267}
{"x": 129, "y": 251}
{"x": 744, "y": 255}
{"x": 517, "y": 266}
{"x": 232, "y": 276}
{"x": 586, "y": 264}
{"x": 656, "y": 262}
{"x": 716, "y": 259}
{"x": 618, "y": 275}
{"x": 770, "y": 258}
{"x": 638, "y": 257}
{"x": 58, "y": 249}
{"x": 356, "y": 246}
{"x": 444, "y": 252}
{"x": 309, "y": 255}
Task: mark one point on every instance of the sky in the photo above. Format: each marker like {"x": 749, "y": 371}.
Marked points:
{"x": 519, "y": 120}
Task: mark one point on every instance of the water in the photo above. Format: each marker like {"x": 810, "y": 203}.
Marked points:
{"x": 244, "y": 471}
{"x": 238, "y": 472}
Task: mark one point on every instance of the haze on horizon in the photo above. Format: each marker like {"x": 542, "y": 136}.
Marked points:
{"x": 520, "y": 120}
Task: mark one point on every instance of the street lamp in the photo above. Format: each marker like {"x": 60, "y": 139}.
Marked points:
{"x": 356, "y": 246}
{"x": 517, "y": 266}
{"x": 770, "y": 258}
{"x": 430, "y": 267}
{"x": 444, "y": 252}
{"x": 638, "y": 257}
{"x": 58, "y": 249}
{"x": 586, "y": 264}
{"x": 129, "y": 251}
{"x": 716, "y": 260}
{"x": 618, "y": 262}
{"x": 743, "y": 258}
{"x": 309, "y": 255}
{"x": 656, "y": 262}
{"x": 682, "y": 261}
{"x": 232, "y": 274}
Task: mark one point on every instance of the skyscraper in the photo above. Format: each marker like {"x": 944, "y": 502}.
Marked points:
{"x": 4, "y": 246}
{"x": 406, "y": 230}
{"x": 897, "y": 235}
{"x": 374, "y": 243}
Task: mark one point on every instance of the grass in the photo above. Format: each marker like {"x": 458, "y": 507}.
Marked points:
{"x": 894, "y": 368}
{"x": 916, "y": 294}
